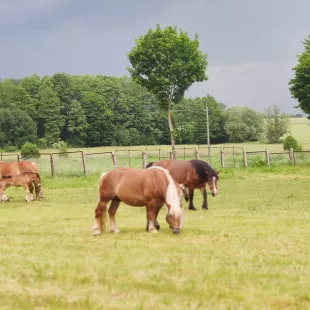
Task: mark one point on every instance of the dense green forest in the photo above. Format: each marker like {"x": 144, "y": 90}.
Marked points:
{"x": 101, "y": 110}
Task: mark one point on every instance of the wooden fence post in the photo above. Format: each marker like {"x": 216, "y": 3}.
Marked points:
{"x": 222, "y": 158}
{"x": 18, "y": 157}
{"x": 171, "y": 155}
{"x": 267, "y": 157}
{"x": 84, "y": 163}
{"x": 143, "y": 160}
{"x": 245, "y": 158}
{"x": 292, "y": 156}
{"x": 197, "y": 154}
{"x": 114, "y": 159}
{"x": 52, "y": 164}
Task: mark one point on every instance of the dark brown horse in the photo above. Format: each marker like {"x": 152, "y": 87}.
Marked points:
{"x": 193, "y": 174}
{"x": 139, "y": 187}
{"x": 20, "y": 173}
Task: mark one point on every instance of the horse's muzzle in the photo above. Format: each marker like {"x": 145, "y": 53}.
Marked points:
{"x": 176, "y": 231}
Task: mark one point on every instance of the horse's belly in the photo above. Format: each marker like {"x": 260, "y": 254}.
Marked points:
{"x": 135, "y": 201}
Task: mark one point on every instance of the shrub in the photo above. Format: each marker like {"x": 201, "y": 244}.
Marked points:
{"x": 257, "y": 161}
{"x": 291, "y": 143}
{"x": 42, "y": 143}
{"x": 30, "y": 150}
{"x": 61, "y": 146}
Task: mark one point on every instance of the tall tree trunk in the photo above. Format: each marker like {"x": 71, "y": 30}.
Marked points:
{"x": 171, "y": 132}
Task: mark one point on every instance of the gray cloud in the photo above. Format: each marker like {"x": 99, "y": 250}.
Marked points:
{"x": 251, "y": 45}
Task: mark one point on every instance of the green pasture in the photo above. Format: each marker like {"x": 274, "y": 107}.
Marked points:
{"x": 250, "y": 250}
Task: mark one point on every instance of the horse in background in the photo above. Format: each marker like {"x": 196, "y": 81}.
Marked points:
{"x": 192, "y": 174}
{"x": 20, "y": 173}
{"x": 139, "y": 187}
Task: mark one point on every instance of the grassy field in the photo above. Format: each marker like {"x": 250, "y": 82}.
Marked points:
{"x": 249, "y": 251}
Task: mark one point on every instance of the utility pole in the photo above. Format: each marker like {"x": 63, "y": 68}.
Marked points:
{"x": 208, "y": 131}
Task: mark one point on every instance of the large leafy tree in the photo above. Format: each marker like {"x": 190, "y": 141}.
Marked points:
{"x": 277, "y": 124}
{"x": 50, "y": 122}
{"x": 99, "y": 117}
{"x": 190, "y": 117}
{"x": 76, "y": 124}
{"x": 16, "y": 127}
{"x": 243, "y": 124}
{"x": 167, "y": 63}
{"x": 300, "y": 84}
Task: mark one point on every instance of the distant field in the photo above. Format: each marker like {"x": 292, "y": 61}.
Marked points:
{"x": 132, "y": 156}
{"x": 249, "y": 251}
{"x": 301, "y": 131}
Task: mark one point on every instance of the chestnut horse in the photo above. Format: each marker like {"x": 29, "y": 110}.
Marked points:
{"x": 193, "y": 174}
{"x": 20, "y": 173}
{"x": 139, "y": 187}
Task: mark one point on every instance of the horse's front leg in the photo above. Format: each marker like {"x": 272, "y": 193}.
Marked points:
{"x": 157, "y": 226}
{"x": 204, "y": 195}
{"x": 112, "y": 211}
{"x": 30, "y": 185}
{"x": 191, "y": 197}
{"x": 27, "y": 192}
{"x": 156, "y": 221}
{"x": 2, "y": 196}
{"x": 151, "y": 213}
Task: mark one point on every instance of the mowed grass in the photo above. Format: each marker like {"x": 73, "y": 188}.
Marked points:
{"x": 250, "y": 250}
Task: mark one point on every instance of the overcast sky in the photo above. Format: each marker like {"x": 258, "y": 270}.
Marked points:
{"x": 251, "y": 45}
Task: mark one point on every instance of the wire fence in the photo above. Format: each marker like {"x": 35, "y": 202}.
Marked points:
{"x": 81, "y": 163}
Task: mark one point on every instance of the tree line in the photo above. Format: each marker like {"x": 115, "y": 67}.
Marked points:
{"x": 105, "y": 111}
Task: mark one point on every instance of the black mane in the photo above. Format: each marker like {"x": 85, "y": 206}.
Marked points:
{"x": 149, "y": 165}
{"x": 203, "y": 169}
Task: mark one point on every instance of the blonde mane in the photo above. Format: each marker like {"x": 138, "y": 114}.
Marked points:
{"x": 172, "y": 196}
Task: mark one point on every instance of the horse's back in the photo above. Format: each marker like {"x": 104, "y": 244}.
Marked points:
{"x": 28, "y": 166}
{"x": 9, "y": 168}
{"x": 132, "y": 185}
{"x": 178, "y": 169}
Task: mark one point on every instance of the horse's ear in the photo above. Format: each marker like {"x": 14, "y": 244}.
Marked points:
{"x": 218, "y": 171}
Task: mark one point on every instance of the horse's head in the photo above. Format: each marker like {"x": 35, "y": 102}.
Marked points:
{"x": 174, "y": 215}
{"x": 175, "y": 222}
{"x": 212, "y": 182}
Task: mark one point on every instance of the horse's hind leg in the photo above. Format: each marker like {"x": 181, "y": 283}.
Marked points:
{"x": 100, "y": 217}
{"x": 204, "y": 194}
{"x": 191, "y": 197}
{"x": 37, "y": 186}
{"x": 112, "y": 211}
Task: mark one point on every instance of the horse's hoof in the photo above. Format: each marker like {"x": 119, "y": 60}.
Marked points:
{"x": 96, "y": 232}
{"x": 192, "y": 208}
{"x": 115, "y": 231}
{"x": 153, "y": 231}
{"x": 204, "y": 208}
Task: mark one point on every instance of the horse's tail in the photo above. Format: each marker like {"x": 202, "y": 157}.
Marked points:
{"x": 37, "y": 186}
{"x": 149, "y": 165}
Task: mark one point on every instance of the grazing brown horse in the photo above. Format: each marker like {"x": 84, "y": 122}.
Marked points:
{"x": 192, "y": 174}
{"x": 139, "y": 187}
{"x": 21, "y": 173}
